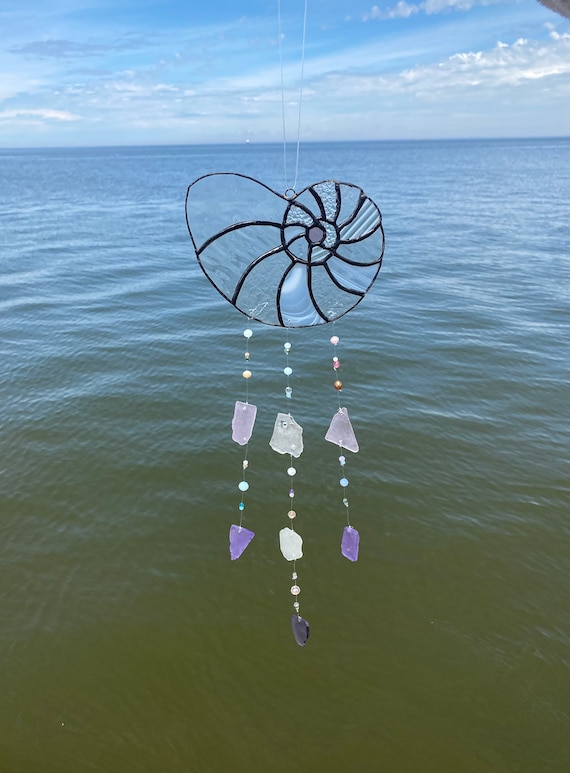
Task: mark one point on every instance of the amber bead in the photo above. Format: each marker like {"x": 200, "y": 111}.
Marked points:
{"x": 338, "y": 385}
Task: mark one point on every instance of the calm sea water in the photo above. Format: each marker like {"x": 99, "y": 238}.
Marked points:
{"x": 129, "y": 642}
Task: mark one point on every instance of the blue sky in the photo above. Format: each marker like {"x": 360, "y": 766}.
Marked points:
{"x": 114, "y": 72}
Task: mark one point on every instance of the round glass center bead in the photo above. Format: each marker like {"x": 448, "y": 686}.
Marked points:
{"x": 243, "y": 485}
{"x": 248, "y": 333}
{"x": 338, "y": 385}
{"x": 295, "y": 590}
{"x": 246, "y": 374}
{"x": 292, "y": 514}
{"x": 334, "y": 340}
{"x": 287, "y": 346}
{"x": 287, "y": 371}
{"x": 344, "y": 482}
{"x": 291, "y": 471}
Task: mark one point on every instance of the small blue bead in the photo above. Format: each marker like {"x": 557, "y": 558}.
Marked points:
{"x": 344, "y": 482}
{"x": 241, "y": 506}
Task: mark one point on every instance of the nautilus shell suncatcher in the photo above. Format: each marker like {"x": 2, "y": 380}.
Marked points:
{"x": 293, "y": 261}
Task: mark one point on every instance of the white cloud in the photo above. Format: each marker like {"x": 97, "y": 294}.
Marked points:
{"x": 504, "y": 65}
{"x": 23, "y": 114}
{"x": 402, "y": 9}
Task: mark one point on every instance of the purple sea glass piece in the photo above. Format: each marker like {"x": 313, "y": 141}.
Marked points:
{"x": 243, "y": 421}
{"x": 341, "y": 432}
{"x": 240, "y": 537}
{"x": 300, "y": 629}
{"x": 350, "y": 543}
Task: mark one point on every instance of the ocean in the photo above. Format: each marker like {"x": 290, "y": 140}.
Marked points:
{"x": 129, "y": 641}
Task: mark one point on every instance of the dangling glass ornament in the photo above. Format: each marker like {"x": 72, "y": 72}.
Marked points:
{"x": 292, "y": 260}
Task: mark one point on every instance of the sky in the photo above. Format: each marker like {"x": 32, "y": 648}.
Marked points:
{"x": 119, "y": 72}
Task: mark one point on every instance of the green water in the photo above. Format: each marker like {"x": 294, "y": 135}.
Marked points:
{"x": 129, "y": 642}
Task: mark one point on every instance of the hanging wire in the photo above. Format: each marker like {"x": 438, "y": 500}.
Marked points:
{"x": 291, "y": 189}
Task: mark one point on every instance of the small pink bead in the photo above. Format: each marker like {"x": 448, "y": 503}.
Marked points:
{"x": 336, "y": 365}
{"x": 334, "y": 340}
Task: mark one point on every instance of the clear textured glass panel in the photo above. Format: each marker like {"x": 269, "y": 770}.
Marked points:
{"x": 331, "y": 300}
{"x": 367, "y": 219}
{"x": 350, "y": 196}
{"x": 328, "y": 196}
{"x": 218, "y": 201}
{"x": 258, "y": 295}
{"x": 357, "y": 278}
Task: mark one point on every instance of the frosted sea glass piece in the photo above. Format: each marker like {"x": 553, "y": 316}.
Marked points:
{"x": 240, "y": 537}
{"x": 287, "y": 436}
{"x": 243, "y": 421}
{"x": 301, "y": 630}
{"x": 341, "y": 432}
{"x": 291, "y": 544}
{"x": 350, "y": 543}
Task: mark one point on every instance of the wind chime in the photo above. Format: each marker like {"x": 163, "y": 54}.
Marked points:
{"x": 291, "y": 260}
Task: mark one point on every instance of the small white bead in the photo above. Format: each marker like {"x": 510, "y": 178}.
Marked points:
{"x": 248, "y": 333}
{"x": 295, "y": 590}
{"x": 291, "y": 471}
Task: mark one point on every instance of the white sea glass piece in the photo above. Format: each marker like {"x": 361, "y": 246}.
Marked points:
{"x": 341, "y": 432}
{"x": 287, "y": 436}
{"x": 243, "y": 421}
{"x": 291, "y": 544}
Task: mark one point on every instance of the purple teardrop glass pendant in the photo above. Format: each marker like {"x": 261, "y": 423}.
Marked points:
{"x": 240, "y": 537}
{"x": 300, "y": 629}
{"x": 350, "y": 543}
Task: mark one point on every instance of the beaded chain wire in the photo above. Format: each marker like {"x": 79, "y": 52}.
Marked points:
{"x": 291, "y": 472}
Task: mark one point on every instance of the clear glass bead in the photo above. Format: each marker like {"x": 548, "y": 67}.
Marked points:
{"x": 246, "y": 374}
{"x": 342, "y": 460}
{"x": 344, "y": 482}
{"x": 248, "y": 333}
{"x": 243, "y": 485}
{"x": 296, "y": 606}
{"x": 345, "y": 502}
{"x": 294, "y": 576}
{"x": 291, "y": 471}
{"x": 291, "y": 493}
{"x": 287, "y": 347}
{"x": 245, "y": 464}
{"x": 287, "y": 371}
{"x": 292, "y": 514}
{"x": 288, "y": 391}
{"x": 295, "y": 590}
